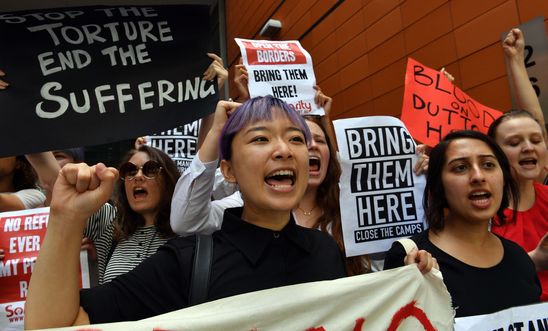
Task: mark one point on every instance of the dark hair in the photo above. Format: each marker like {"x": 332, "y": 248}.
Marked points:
{"x": 327, "y": 196}
{"x": 76, "y": 153}
{"x": 24, "y": 176}
{"x": 435, "y": 201}
{"x": 127, "y": 221}
{"x": 514, "y": 113}
{"x": 255, "y": 110}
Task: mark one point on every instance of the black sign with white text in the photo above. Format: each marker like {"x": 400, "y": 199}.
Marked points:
{"x": 91, "y": 75}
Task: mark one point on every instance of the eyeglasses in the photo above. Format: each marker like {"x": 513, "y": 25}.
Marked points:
{"x": 150, "y": 170}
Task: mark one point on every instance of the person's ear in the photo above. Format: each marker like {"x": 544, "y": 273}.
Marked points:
{"x": 228, "y": 171}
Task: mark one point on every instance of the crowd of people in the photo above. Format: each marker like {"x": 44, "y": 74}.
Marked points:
{"x": 264, "y": 185}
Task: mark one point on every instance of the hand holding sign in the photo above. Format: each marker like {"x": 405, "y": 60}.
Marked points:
{"x": 323, "y": 100}
{"x": 540, "y": 254}
{"x": 424, "y": 260}
{"x": 3, "y": 85}
{"x": 80, "y": 190}
{"x": 241, "y": 81}
{"x": 216, "y": 69}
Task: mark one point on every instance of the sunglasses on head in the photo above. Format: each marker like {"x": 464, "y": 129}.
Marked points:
{"x": 150, "y": 169}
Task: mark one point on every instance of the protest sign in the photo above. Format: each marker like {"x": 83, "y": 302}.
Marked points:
{"x": 381, "y": 197}
{"x": 433, "y": 107}
{"x": 397, "y": 299}
{"x": 282, "y": 69}
{"x": 21, "y": 236}
{"x": 525, "y": 318}
{"x": 91, "y": 75}
{"x": 180, "y": 143}
{"x": 536, "y": 61}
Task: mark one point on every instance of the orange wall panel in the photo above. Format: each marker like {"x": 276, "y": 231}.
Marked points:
{"x": 486, "y": 29}
{"x": 360, "y": 47}
{"x": 428, "y": 28}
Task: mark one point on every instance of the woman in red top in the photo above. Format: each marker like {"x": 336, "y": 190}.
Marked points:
{"x": 522, "y": 137}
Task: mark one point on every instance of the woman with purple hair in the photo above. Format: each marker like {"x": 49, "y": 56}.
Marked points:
{"x": 264, "y": 151}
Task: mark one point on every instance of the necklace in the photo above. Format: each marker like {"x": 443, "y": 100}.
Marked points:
{"x": 306, "y": 213}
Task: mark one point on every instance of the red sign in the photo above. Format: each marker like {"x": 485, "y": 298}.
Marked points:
{"x": 273, "y": 53}
{"x": 21, "y": 236}
{"x": 433, "y": 107}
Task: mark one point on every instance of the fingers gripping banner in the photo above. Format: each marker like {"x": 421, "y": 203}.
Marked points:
{"x": 91, "y": 75}
{"x": 397, "y": 299}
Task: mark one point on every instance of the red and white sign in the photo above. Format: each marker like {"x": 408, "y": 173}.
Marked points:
{"x": 282, "y": 69}
{"x": 21, "y": 235}
{"x": 433, "y": 107}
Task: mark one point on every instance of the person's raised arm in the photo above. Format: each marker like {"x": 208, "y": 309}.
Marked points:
{"x": 215, "y": 69}
{"x": 47, "y": 169}
{"x": 191, "y": 203}
{"x": 53, "y": 299}
{"x": 514, "y": 49}
{"x": 241, "y": 80}
{"x": 326, "y": 102}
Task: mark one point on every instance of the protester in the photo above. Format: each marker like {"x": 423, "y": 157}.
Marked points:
{"x": 194, "y": 212}
{"x": 141, "y": 224}
{"x": 18, "y": 189}
{"x": 259, "y": 246}
{"x": 468, "y": 182}
{"x": 520, "y": 135}
{"x": 18, "y": 185}
{"x": 69, "y": 155}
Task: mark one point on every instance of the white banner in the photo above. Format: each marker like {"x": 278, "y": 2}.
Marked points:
{"x": 282, "y": 69}
{"x": 525, "y": 318}
{"x": 381, "y": 197}
{"x": 397, "y": 299}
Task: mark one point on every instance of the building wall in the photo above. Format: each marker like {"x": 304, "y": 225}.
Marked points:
{"x": 360, "y": 47}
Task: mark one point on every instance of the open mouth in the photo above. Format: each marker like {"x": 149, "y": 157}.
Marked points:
{"x": 480, "y": 198}
{"x": 139, "y": 193}
{"x": 528, "y": 162}
{"x": 281, "y": 179}
{"x": 314, "y": 164}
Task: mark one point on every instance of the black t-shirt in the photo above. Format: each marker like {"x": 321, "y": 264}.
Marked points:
{"x": 475, "y": 291}
{"x": 246, "y": 258}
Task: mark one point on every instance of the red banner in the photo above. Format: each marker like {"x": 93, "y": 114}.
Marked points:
{"x": 22, "y": 234}
{"x": 433, "y": 107}
{"x": 262, "y": 52}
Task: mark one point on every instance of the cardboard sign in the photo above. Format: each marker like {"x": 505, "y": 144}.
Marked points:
{"x": 381, "y": 197}
{"x": 282, "y": 69}
{"x": 397, "y": 299}
{"x": 180, "y": 143}
{"x": 21, "y": 235}
{"x": 525, "y": 318}
{"x": 101, "y": 74}
{"x": 433, "y": 107}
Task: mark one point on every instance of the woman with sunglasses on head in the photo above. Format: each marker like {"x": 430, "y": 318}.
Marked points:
{"x": 264, "y": 151}
{"x": 143, "y": 202}
{"x": 468, "y": 183}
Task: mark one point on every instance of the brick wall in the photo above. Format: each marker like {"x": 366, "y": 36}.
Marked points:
{"x": 359, "y": 47}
